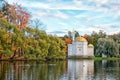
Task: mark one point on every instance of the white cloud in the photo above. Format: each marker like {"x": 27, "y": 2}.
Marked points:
{"x": 30, "y": 4}
{"x": 94, "y": 18}
{"x": 112, "y": 32}
{"x": 36, "y": 5}
{"x": 60, "y": 15}
{"x": 107, "y": 6}
{"x": 40, "y": 14}
{"x": 63, "y": 24}
{"x": 99, "y": 1}
{"x": 51, "y": 0}
{"x": 77, "y": 2}
{"x": 81, "y": 16}
{"x": 91, "y": 29}
{"x": 110, "y": 29}
{"x": 50, "y": 13}
{"x": 89, "y": 17}
{"x": 13, "y": 1}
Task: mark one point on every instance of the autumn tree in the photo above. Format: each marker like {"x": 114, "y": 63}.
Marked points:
{"x": 17, "y": 40}
{"x": 88, "y": 38}
{"x": 16, "y": 15}
{"x": 68, "y": 41}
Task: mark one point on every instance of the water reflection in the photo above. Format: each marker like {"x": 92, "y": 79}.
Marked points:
{"x": 60, "y": 70}
{"x": 80, "y": 70}
{"x": 107, "y": 70}
{"x": 21, "y": 70}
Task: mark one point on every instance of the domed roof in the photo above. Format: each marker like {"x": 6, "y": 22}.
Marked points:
{"x": 90, "y": 45}
{"x": 80, "y": 39}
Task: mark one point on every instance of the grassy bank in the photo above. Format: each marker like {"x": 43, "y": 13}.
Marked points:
{"x": 95, "y": 58}
{"x": 72, "y": 58}
{"x": 108, "y": 58}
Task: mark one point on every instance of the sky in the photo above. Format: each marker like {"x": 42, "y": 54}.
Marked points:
{"x": 84, "y": 16}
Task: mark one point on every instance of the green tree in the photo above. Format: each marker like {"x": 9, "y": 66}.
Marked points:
{"x": 57, "y": 48}
{"x": 115, "y": 37}
{"x": 107, "y": 47}
{"x": 94, "y": 38}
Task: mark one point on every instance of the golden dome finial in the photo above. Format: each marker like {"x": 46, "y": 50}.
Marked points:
{"x": 80, "y": 39}
{"x": 90, "y": 45}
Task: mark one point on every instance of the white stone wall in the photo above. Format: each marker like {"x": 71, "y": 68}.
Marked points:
{"x": 70, "y": 50}
{"x": 74, "y": 49}
{"x": 85, "y": 48}
{"x": 90, "y": 51}
{"x": 79, "y": 48}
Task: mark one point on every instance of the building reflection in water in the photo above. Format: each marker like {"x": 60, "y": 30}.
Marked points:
{"x": 80, "y": 69}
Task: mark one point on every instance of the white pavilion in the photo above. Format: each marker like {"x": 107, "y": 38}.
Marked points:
{"x": 80, "y": 47}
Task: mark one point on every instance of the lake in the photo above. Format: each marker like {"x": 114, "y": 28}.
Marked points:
{"x": 60, "y": 70}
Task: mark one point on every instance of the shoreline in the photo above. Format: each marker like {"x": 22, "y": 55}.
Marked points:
{"x": 95, "y": 58}
{"x": 73, "y": 58}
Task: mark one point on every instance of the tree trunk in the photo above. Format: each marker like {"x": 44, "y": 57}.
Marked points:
{"x": 0, "y": 55}
{"x": 13, "y": 55}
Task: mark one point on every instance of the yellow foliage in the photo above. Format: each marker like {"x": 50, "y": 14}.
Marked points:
{"x": 25, "y": 44}
{"x": 14, "y": 48}
{"x": 6, "y": 35}
{"x": 9, "y": 41}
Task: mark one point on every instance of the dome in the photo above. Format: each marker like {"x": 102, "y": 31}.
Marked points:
{"x": 80, "y": 39}
{"x": 90, "y": 45}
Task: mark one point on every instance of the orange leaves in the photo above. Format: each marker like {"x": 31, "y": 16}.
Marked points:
{"x": 17, "y": 16}
{"x": 1, "y": 15}
{"x": 23, "y": 17}
{"x": 14, "y": 48}
{"x": 86, "y": 36}
{"x": 68, "y": 41}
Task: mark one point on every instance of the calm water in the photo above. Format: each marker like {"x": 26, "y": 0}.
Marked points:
{"x": 60, "y": 70}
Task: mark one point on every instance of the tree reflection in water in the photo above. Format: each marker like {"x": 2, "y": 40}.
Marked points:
{"x": 60, "y": 70}
{"x": 21, "y": 70}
